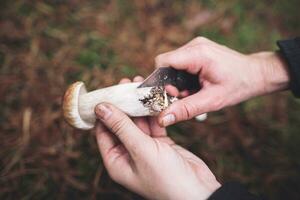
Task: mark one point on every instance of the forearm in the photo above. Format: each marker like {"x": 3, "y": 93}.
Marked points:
{"x": 279, "y": 70}
{"x": 273, "y": 70}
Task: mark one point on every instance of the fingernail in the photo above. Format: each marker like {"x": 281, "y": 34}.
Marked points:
{"x": 168, "y": 119}
{"x": 103, "y": 112}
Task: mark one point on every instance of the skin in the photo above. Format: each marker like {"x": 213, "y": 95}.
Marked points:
{"x": 139, "y": 155}
{"x": 227, "y": 77}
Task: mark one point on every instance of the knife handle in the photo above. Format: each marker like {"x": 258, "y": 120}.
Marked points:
{"x": 187, "y": 81}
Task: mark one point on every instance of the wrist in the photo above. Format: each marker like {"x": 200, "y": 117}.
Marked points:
{"x": 273, "y": 72}
{"x": 198, "y": 191}
{"x": 207, "y": 188}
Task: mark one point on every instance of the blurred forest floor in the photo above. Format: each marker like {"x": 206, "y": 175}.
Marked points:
{"x": 46, "y": 45}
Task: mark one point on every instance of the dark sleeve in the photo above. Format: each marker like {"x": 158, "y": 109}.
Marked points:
{"x": 232, "y": 191}
{"x": 290, "y": 50}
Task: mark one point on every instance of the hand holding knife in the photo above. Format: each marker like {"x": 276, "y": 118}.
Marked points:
{"x": 181, "y": 79}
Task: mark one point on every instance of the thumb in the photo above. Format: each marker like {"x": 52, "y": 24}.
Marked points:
{"x": 187, "y": 108}
{"x": 122, "y": 126}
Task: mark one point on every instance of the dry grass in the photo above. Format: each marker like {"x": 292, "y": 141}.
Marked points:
{"x": 46, "y": 45}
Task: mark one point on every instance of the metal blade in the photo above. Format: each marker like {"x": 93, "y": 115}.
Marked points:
{"x": 170, "y": 76}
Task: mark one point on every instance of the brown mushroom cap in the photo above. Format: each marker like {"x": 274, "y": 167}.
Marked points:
{"x": 71, "y": 106}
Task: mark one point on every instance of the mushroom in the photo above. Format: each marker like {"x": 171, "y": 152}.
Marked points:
{"x": 78, "y": 104}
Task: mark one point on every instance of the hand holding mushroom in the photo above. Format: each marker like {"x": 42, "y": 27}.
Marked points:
{"x": 139, "y": 155}
{"x": 145, "y": 160}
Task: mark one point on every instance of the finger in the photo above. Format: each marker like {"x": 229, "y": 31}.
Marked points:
{"x": 184, "y": 93}
{"x": 138, "y": 79}
{"x": 106, "y": 140}
{"x": 191, "y": 57}
{"x": 187, "y": 154}
{"x": 134, "y": 140}
{"x": 167, "y": 140}
{"x": 201, "y": 40}
{"x": 193, "y": 42}
{"x": 195, "y": 161}
{"x": 191, "y": 106}
{"x": 155, "y": 129}
{"x": 190, "y": 60}
{"x": 142, "y": 123}
{"x": 115, "y": 156}
{"x": 124, "y": 80}
{"x": 172, "y": 90}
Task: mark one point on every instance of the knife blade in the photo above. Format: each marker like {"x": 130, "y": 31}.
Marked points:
{"x": 169, "y": 76}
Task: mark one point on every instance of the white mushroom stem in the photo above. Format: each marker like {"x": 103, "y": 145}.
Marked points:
{"x": 78, "y": 105}
{"x": 125, "y": 97}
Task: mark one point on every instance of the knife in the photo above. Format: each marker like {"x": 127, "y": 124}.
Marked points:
{"x": 169, "y": 76}
{"x": 179, "y": 78}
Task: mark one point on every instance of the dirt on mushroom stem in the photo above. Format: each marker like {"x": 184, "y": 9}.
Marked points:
{"x": 157, "y": 100}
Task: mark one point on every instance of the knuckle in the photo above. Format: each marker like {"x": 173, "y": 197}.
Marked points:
{"x": 159, "y": 58}
{"x": 201, "y": 48}
{"x": 117, "y": 125}
{"x": 201, "y": 39}
{"x": 217, "y": 103}
{"x": 202, "y": 44}
{"x": 185, "y": 112}
{"x": 188, "y": 110}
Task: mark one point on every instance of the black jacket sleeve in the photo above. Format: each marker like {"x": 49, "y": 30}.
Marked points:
{"x": 232, "y": 191}
{"x": 290, "y": 50}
